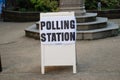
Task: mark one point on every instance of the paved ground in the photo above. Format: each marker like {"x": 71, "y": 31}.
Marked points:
{"x": 97, "y": 59}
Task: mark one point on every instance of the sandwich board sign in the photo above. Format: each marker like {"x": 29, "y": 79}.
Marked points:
{"x": 58, "y": 37}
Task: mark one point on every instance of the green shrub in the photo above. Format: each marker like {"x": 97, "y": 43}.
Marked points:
{"x": 34, "y": 5}
{"x": 91, "y": 4}
{"x": 111, "y": 3}
{"x": 22, "y": 10}
{"x": 23, "y": 5}
{"x": 106, "y": 4}
{"x": 45, "y": 5}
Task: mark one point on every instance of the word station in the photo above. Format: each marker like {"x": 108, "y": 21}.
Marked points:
{"x": 57, "y": 31}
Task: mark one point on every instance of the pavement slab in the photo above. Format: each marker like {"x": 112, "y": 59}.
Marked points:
{"x": 96, "y": 59}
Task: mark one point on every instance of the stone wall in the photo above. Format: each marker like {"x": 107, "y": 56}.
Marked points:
{"x": 111, "y": 14}
{"x": 17, "y": 16}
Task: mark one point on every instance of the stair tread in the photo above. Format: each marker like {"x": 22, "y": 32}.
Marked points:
{"x": 32, "y": 29}
{"x": 87, "y": 15}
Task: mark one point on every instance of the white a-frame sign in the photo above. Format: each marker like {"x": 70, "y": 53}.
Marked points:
{"x": 58, "y": 37}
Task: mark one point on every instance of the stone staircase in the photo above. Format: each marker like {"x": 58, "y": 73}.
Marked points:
{"x": 89, "y": 27}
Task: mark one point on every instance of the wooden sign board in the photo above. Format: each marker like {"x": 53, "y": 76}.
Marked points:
{"x": 58, "y": 37}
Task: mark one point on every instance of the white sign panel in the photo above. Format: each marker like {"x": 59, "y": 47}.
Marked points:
{"x": 57, "y": 29}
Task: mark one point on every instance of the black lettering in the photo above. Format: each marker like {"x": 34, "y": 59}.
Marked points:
{"x": 66, "y": 24}
{"x": 48, "y": 25}
{"x": 43, "y": 38}
{"x": 58, "y": 36}
{"x": 66, "y": 36}
{"x": 72, "y": 36}
{"x": 57, "y": 25}
{"x": 61, "y": 24}
{"x": 72, "y": 24}
{"x": 42, "y": 24}
{"x": 53, "y": 37}
{"x": 53, "y": 26}
{"x": 48, "y": 34}
{"x": 62, "y": 36}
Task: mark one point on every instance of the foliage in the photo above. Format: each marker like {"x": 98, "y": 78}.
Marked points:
{"x": 91, "y": 4}
{"x": 34, "y": 5}
{"x": 106, "y": 4}
{"x": 23, "y": 5}
{"x": 45, "y": 5}
{"x": 111, "y": 3}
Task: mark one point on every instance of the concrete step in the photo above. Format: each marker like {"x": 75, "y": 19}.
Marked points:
{"x": 88, "y": 17}
{"x": 37, "y": 25}
{"x": 99, "y": 23}
{"x": 110, "y": 30}
{"x": 32, "y": 32}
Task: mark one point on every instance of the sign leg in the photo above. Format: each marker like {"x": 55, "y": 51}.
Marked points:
{"x": 42, "y": 69}
{"x": 0, "y": 64}
{"x": 74, "y": 69}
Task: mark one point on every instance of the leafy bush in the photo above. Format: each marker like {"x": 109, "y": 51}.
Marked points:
{"x": 22, "y": 5}
{"x": 111, "y": 3}
{"x": 34, "y": 5}
{"x": 106, "y": 4}
{"x": 91, "y": 4}
{"x": 45, "y": 5}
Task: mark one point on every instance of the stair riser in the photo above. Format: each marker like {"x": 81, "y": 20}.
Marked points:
{"x": 37, "y": 25}
{"x": 97, "y": 35}
{"x": 30, "y": 34}
{"x": 88, "y": 19}
{"x": 91, "y": 27}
